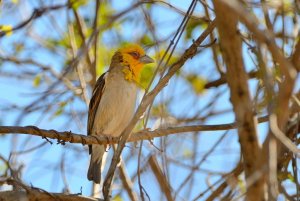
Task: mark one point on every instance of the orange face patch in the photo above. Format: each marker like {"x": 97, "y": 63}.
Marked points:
{"x": 131, "y": 54}
{"x": 133, "y": 49}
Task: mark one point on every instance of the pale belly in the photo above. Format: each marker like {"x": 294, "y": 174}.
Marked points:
{"x": 114, "y": 114}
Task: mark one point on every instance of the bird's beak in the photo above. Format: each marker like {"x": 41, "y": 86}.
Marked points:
{"x": 146, "y": 59}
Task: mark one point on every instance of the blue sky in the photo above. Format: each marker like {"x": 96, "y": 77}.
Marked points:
{"x": 75, "y": 156}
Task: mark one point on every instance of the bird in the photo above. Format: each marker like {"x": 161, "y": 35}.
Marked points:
{"x": 113, "y": 101}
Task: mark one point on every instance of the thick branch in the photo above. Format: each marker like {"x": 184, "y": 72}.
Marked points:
{"x": 231, "y": 46}
{"x": 161, "y": 178}
{"x": 286, "y": 68}
{"x": 127, "y": 183}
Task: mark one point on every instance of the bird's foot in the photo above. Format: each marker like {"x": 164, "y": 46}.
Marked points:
{"x": 108, "y": 144}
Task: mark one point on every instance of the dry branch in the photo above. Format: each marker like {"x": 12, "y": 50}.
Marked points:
{"x": 231, "y": 46}
{"x": 68, "y": 136}
{"x": 25, "y": 192}
{"x": 41, "y": 196}
{"x": 127, "y": 183}
{"x": 161, "y": 178}
{"x": 37, "y": 13}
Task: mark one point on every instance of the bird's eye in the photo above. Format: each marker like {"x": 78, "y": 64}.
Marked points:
{"x": 135, "y": 55}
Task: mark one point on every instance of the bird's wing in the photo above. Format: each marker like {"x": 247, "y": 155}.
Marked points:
{"x": 94, "y": 103}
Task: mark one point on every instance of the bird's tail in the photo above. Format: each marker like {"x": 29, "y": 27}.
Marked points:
{"x": 94, "y": 172}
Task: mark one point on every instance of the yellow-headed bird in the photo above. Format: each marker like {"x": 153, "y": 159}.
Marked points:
{"x": 113, "y": 101}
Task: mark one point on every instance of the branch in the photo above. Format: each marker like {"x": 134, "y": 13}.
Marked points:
{"x": 228, "y": 178}
{"x": 127, "y": 183}
{"x": 231, "y": 46}
{"x": 32, "y": 193}
{"x": 286, "y": 67}
{"x": 42, "y": 196}
{"x": 296, "y": 56}
{"x": 222, "y": 80}
{"x": 38, "y": 12}
{"x": 68, "y": 136}
{"x": 161, "y": 178}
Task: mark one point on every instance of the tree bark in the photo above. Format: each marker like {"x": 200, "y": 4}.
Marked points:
{"x": 41, "y": 196}
{"x": 231, "y": 48}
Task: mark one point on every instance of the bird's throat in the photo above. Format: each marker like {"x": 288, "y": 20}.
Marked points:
{"x": 132, "y": 72}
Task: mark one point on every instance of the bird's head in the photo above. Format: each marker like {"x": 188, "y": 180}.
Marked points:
{"x": 134, "y": 57}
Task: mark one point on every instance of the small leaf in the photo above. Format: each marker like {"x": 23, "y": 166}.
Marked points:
{"x": 187, "y": 153}
{"x": 146, "y": 75}
{"x": 284, "y": 176}
{"x": 192, "y": 25}
{"x": 58, "y": 112}
{"x": 7, "y": 29}
{"x": 241, "y": 184}
{"x": 77, "y": 3}
{"x": 146, "y": 40}
{"x": 105, "y": 13}
{"x": 18, "y": 47}
{"x": 37, "y": 80}
{"x": 160, "y": 109}
{"x": 174, "y": 57}
{"x": 197, "y": 83}
{"x": 60, "y": 109}
{"x": 118, "y": 198}
{"x": 291, "y": 178}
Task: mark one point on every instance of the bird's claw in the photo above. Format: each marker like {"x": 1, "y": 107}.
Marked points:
{"x": 108, "y": 142}
{"x": 107, "y": 145}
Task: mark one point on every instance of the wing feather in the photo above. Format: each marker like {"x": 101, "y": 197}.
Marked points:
{"x": 94, "y": 103}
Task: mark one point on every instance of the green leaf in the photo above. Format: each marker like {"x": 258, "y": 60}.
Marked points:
{"x": 172, "y": 60}
{"x": 105, "y": 13}
{"x": 7, "y": 29}
{"x": 146, "y": 75}
{"x": 291, "y": 178}
{"x": 284, "y": 176}
{"x": 241, "y": 184}
{"x": 187, "y": 153}
{"x": 18, "y": 47}
{"x": 60, "y": 108}
{"x": 192, "y": 25}
{"x": 160, "y": 109}
{"x": 77, "y": 3}
{"x": 117, "y": 198}
{"x": 146, "y": 40}
{"x": 197, "y": 83}
{"x": 3, "y": 168}
{"x": 104, "y": 56}
{"x": 37, "y": 80}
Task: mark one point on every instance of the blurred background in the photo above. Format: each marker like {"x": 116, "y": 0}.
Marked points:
{"x": 52, "y": 51}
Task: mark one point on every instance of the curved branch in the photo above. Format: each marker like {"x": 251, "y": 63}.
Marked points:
{"x": 38, "y": 12}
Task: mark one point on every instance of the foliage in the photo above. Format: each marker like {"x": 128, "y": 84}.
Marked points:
{"x": 49, "y": 63}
